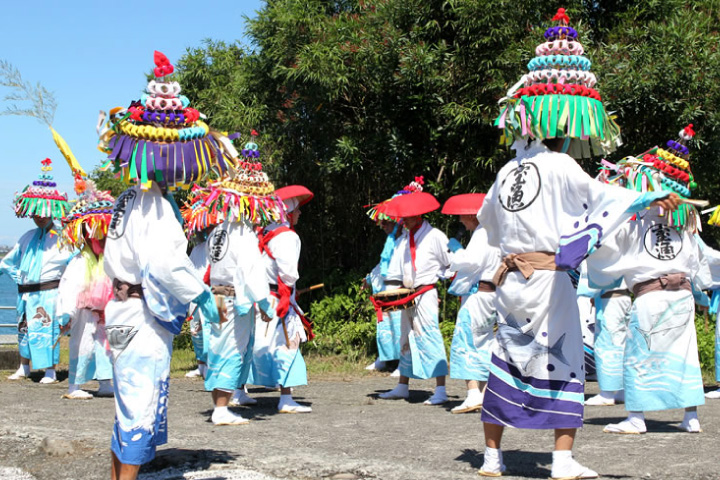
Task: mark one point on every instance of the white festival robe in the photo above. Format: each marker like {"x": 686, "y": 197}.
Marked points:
{"x": 422, "y": 350}
{"x": 35, "y": 259}
{"x": 89, "y": 349}
{"x": 199, "y": 329}
{"x": 145, "y": 246}
{"x": 543, "y": 201}
{"x": 661, "y": 366}
{"x": 713, "y": 258}
{"x": 473, "y": 336}
{"x": 235, "y": 260}
{"x": 275, "y": 362}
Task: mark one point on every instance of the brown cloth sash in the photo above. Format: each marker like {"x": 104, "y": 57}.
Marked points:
{"x": 224, "y": 290}
{"x": 669, "y": 282}
{"x": 485, "y": 287}
{"x": 124, "y": 290}
{"x": 38, "y": 287}
{"x": 621, "y": 292}
{"x": 525, "y": 263}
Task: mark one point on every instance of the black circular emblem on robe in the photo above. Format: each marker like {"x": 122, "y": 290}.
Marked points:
{"x": 663, "y": 242}
{"x": 520, "y": 187}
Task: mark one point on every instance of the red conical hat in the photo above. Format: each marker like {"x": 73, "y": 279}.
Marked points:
{"x": 464, "y": 204}
{"x": 302, "y": 194}
{"x": 411, "y": 205}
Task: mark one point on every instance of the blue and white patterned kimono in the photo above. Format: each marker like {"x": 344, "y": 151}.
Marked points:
{"x": 387, "y": 334}
{"x": 145, "y": 246}
{"x": 543, "y": 201}
{"x": 473, "y": 336}
{"x": 661, "y": 367}
{"x": 713, "y": 259}
{"x": 36, "y": 259}
{"x": 422, "y": 353}
{"x": 89, "y": 350}
{"x": 235, "y": 260}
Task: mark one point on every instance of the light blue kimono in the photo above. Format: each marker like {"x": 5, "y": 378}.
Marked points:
{"x": 36, "y": 259}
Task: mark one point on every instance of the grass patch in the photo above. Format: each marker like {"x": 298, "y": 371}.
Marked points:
{"x": 183, "y": 360}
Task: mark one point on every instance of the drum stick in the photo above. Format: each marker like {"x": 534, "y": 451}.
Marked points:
{"x": 696, "y": 203}
{"x": 314, "y": 287}
{"x": 707, "y": 327}
{"x": 57, "y": 341}
{"x": 287, "y": 338}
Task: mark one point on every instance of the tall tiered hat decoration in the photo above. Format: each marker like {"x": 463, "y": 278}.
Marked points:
{"x": 557, "y": 98}
{"x": 89, "y": 217}
{"x": 42, "y": 197}
{"x": 161, "y": 139}
{"x": 247, "y": 193}
{"x": 661, "y": 169}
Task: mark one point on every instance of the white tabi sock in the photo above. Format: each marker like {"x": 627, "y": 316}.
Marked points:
{"x": 474, "y": 396}
{"x": 691, "y": 422}
{"x": 564, "y": 466}
{"x": 493, "y": 465}
{"x": 637, "y": 419}
{"x": 440, "y": 390}
{"x": 203, "y": 369}
{"x": 73, "y": 387}
{"x": 25, "y": 368}
{"x": 50, "y": 373}
{"x": 401, "y": 390}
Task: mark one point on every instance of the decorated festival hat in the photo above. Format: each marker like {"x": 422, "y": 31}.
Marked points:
{"x": 196, "y": 215}
{"x": 558, "y": 99}
{"x": 89, "y": 217}
{"x": 661, "y": 169}
{"x": 245, "y": 194}
{"x": 294, "y": 196}
{"x": 161, "y": 139}
{"x": 464, "y": 204}
{"x": 411, "y": 201}
{"x": 42, "y": 197}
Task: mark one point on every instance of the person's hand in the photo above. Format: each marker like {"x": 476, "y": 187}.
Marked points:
{"x": 208, "y": 307}
{"x": 454, "y": 245}
{"x": 267, "y": 309}
{"x": 703, "y": 309}
{"x": 669, "y": 203}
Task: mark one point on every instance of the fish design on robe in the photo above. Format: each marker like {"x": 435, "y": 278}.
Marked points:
{"x": 669, "y": 320}
{"x": 119, "y": 337}
{"x": 528, "y": 349}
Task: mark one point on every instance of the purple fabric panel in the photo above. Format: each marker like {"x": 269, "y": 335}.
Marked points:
{"x": 498, "y": 411}
{"x": 218, "y": 153}
{"x": 557, "y": 385}
{"x": 160, "y": 164}
{"x": 126, "y": 151}
{"x": 190, "y": 161}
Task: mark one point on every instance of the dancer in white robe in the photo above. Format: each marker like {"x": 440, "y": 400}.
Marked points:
{"x": 277, "y": 359}
{"x": 84, "y": 292}
{"x": 237, "y": 278}
{"x": 473, "y": 336}
{"x": 713, "y": 259}
{"x": 546, "y": 215}
{"x": 36, "y": 264}
{"x": 154, "y": 281}
{"x": 388, "y": 329}
{"x": 660, "y": 260}
{"x": 198, "y": 328}
{"x": 422, "y": 261}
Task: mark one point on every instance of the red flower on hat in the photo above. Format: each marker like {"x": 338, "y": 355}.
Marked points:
{"x": 254, "y": 132}
{"x": 164, "y": 67}
{"x": 561, "y": 16}
{"x": 46, "y": 162}
{"x": 420, "y": 180}
{"x": 689, "y": 130}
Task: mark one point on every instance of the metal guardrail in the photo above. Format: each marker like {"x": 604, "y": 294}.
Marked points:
{"x": 10, "y": 338}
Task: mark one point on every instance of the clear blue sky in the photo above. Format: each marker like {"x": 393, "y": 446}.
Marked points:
{"x": 93, "y": 56}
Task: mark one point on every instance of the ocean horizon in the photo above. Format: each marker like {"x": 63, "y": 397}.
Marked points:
{"x": 8, "y": 298}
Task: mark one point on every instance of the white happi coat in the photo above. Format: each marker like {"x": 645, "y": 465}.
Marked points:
{"x": 473, "y": 335}
{"x": 145, "y": 246}
{"x": 199, "y": 329}
{"x": 34, "y": 259}
{"x": 275, "y": 362}
{"x": 661, "y": 367}
{"x": 235, "y": 261}
{"x": 543, "y": 201}
{"x": 713, "y": 258}
{"x": 81, "y": 300}
{"x": 422, "y": 351}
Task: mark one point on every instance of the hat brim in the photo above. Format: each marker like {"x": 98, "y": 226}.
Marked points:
{"x": 411, "y": 205}
{"x": 302, "y": 194}
{"x": 464, "y": 204}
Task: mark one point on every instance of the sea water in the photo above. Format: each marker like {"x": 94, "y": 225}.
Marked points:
{"x": 8, "y": 298}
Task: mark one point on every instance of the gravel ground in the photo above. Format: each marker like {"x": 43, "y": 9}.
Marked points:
{"x": 350, "y": 435}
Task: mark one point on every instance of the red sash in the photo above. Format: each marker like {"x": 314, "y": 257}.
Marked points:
{"x": 264, "y": 239}
{"x": 379, "y": 304}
